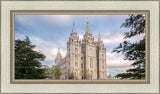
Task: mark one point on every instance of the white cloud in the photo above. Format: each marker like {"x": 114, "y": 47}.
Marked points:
{"x": 19, "y": 35}
{"x": 33, "y": 21}
{"x": 25, "y": 20}
{"x": 117, "y": 38}
{"x": 35, "y": 40}
{"x": 113, "y": 39}
{"x": 114, "y": 71}
{"x": 116, "y": 64}
{"x": 60, "y": 18}
{"x": 110, "y": 54}
{"x": 51, "y": 52}
{"x": 48, "y": 48}
{"x": 113, "y": 60}
{"x": 80, "y": 37}
{"x": 137, "y": 38}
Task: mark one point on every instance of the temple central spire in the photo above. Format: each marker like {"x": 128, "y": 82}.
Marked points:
{"x": 88, "y": 28}
{"x": 87, "y": 20}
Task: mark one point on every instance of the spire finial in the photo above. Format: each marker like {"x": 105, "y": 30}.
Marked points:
{"x": 87, "y": 29}
{"x": 73, "y": 27}
{"x": 99, "y": 37}
{"x": 58, "y": 50}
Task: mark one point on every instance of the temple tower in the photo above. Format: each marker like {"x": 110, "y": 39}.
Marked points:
{"x": 89, "y": 51}
{"x": 74, "y": 55}
{"x": 101, "y": 59}
{"x": 58, "y": 57}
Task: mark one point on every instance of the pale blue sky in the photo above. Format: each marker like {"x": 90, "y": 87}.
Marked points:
{"x": 50, "y": 32}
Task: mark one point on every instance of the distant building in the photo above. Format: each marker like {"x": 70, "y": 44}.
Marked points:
{"x": 49, "y": 71}
{"x": 112, "y": 77}
{"x": 85, "y": 59}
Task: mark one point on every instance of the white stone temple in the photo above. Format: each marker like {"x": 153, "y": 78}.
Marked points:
{"x": 84, "y": 59}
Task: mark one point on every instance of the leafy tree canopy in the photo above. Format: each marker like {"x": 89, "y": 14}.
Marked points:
{"x": 57, "y": 72}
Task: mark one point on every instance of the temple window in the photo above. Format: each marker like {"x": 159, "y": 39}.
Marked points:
{"x": 76, "y": 50}
{"x": 102, "y": 56}
{"x": 103, "y": 67}
{"x": 91, "y": 62}
{"x": 76, "y": 57}
{"x": 103, "y": 64}
{"x": 90, "y": 51}
{"x": 76, "y": 64}
{"x": 82, "y": 66}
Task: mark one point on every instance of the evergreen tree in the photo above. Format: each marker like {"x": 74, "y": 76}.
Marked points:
{"x": 27, "y": 61}
{"x": 134, "y": 51}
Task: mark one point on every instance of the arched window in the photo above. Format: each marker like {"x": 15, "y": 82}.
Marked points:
{"x": 103, "y": 67}
{"x": 76, "y": 64}
{"x": 102, "y": 56}
{"x": 103, "y": 64}
{"x": 82, "y": 66}
{"x": 90, "y": 51}
{"x": 91, "y": 63}
{"x": 76, "y": 57}
{"x": 76, "y": 50}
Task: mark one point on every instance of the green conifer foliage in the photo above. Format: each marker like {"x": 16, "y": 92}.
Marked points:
{"x": 133, "y": 51}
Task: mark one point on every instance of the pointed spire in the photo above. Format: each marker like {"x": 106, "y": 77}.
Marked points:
{"x": 58, "y": 50}
{"x": 73, "y": 30}
{"x": 87, "y": 29}
{"x": 73, "y": 23}
{"x": 59, "y": 54}
{"x": 99, "y": 37}
{"x": 87, "y": 21}
{"x": 58, "y": 57}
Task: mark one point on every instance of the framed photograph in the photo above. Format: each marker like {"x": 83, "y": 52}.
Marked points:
{"x": 69, "y": 46}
